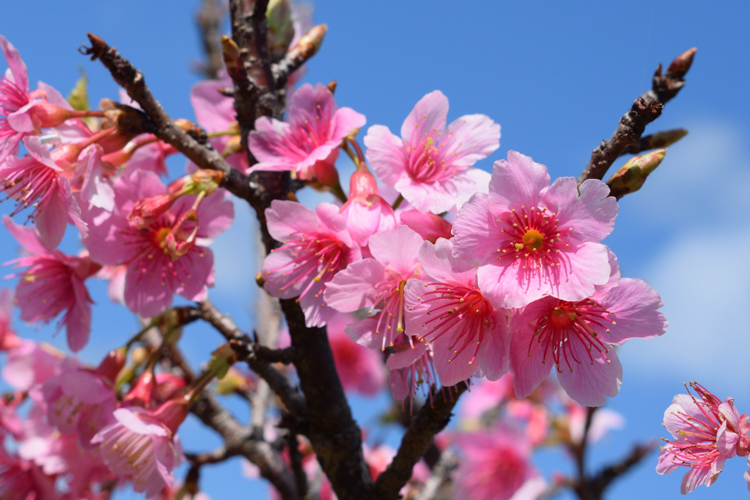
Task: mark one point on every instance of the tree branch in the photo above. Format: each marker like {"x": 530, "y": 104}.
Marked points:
{"x": 335, "y": 436}
{"x": 131, "y": 79}
{"x": 593, "y": 488}
{"x": 644, "y": 110}
{"x": 209, "y": 19}
{"x": 430, "y": 420}
{"x": 298, "y": 55}
{"x": 276, "y": 380}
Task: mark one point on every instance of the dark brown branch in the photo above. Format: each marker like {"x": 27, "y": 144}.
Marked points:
{"x": 430, "y": 420}
{"x": 593, "y": 488}
{"x": 644, "y": 110}
{"x": 209, "y": 457}
{"x": 295, "y": 458}
{"x": 131, "y": 79}
{"x": 261, "y": 353}
{"x": 294, "y": 402}
{"x": 209, "y": 19}
{"x": 335, "y": 436}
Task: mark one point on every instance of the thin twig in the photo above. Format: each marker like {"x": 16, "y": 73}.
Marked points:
{"x": 294, "y": 402}
{"x": 430, "y": 420}
{"x": 644, "y": 110}
{"x": 209, "y": 18}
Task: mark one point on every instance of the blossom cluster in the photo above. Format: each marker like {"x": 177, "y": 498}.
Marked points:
{"x": 518, "y": 282}
{"x": 448, "y": 272}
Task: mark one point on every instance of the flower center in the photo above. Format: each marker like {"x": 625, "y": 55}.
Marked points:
{"x": 533, "y": 238}
{"x": 459, "y": 312}
{"x": 569, "y": 322}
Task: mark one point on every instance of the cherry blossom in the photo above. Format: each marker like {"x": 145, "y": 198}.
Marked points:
{"x": 706, "y": 433}
{"x": 446, "y": 308}
{"x": 168, "y": 256}
{"x": 576, "y": 337}
{"x": 378, "y": 283}
{"x": 533, "y": 239}
{"x": 430, "y": 164}
{"x": 316, "y": 247}
{"x": 307, "y": 143}
{"x": 53, "y": 284}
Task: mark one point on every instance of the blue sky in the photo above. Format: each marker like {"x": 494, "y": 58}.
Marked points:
{"x": 557, "y": 76}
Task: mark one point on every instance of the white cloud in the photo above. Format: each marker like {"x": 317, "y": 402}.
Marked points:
{"x": 702, "y": 273}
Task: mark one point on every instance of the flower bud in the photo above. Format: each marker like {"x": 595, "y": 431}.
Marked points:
{"x": 112, "y": 364}
{"x": 428, "y": 226}
{"x": 362, "y": 184}
{"x": 143, "y": 392}
{"x": 309, "y": 44}
{"x": 280, "y": 27}
{"x": 146, "y": 211}
{"x": 631, "y": 176}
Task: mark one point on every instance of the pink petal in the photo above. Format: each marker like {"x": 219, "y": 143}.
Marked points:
{"x": 194, "y": 271}
{"x": 494, "y": 352}
{"x": 726, "y": 441}
{"x": 666, "y": 463}
{"x": 78, "y": 319}
{"x": 429, "y": 113}
{"x": 145, "y": 294}
{"x": 129, "y": 419}
{"x": 215, "y": 214}
{"x": 693, "y": 478}
{"x": 451, "y": 367}
{"x": 52, "y": 221}
{"x": 96, "y": 189}
{"x": 363, "y": 333}
{"x": 528, "y": 370}
{"x": 469, "y": 182}
{"x": 344, "y": 122}
{"x": 440, "y": 265}
{"x": 213, "y": 110}
{"x": 587, "y": 265}
{"x": 288, "y": 217}
{"x": 27, "y": 237}
{"x": 590, "y": 382}
{"x": 474, "y": 137}
{"x": 16, "y": 64}
{"x": 386, "y": 155}
{"x": 396, "y": 249}
{"x": 54, "y": 96}
{"x": 436, "y": 197}
{"x": 591, "y": 214}
{"x": 634, "y": 306}
{"x": 354, "y": 287}
{"x": 476, "y": 235}
{"x": 515, "y": 182}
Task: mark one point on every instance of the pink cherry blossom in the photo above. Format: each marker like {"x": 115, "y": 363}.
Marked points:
{"x": 8, "y": 338}
{"x": 378, "y": 283}
{"x": 494, "y": 465}
{"x": 30, "y": 364}
{"x": 706, "y": 432}
{"x": 53, "y": 284}
{"x": 142, "y": 446}
{"x": 576, "y": 338}
{"x": 79, "y": 402}
{"x": 360, "y": 369}
{"x": 446, "y": 308}
{"x": 430, "y": 164}
{"x": 23, "y": 480}
{"x": 533, "y": 239}
{"x": 36, "y": 181}
{"x": 168, "y": 256}
{"x": 366, "y": 211}
{"x": 315, "y": 128}
{"x": 316, "y": 247}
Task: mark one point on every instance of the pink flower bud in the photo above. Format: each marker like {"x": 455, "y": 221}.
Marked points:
{"x": 147, "y": 210}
